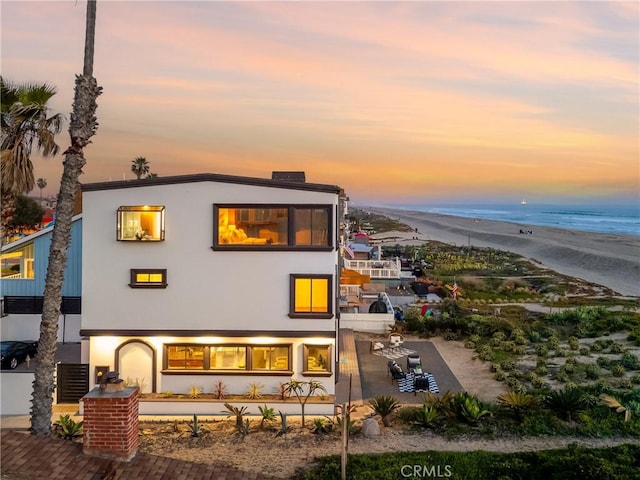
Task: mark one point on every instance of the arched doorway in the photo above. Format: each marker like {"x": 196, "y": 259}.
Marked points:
{"x": 136, "y": 362}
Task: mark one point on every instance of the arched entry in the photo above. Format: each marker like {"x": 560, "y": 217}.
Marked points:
{"x": 136, "y": 362}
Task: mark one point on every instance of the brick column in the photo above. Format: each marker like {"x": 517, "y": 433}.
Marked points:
{"x": 110, "y": 428}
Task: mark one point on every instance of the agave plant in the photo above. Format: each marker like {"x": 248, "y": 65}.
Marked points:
{"x": 321, "y": 425}
{"x": 427, "y": 416}
{"x": 469, "y": 408}
{"x": 384, "y": 406}
{"x": 443, "y": 403}
{"x": 196, "y": 429}
{"x": 566, "y": 402}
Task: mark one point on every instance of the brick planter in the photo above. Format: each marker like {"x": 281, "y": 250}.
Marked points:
{"x": 110, "y": 428}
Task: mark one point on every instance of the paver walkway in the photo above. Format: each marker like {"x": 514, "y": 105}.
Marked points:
{"x": 27, "y": 457}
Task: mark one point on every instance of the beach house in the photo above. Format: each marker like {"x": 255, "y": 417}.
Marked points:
{"x": 194, "y": 280}
{"x": 24, "y": 269}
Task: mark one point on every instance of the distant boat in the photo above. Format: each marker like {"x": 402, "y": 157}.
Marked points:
{"x": 523, "y": 202}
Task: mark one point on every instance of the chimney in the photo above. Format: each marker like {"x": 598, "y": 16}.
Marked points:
{"x": 297, "y": 177}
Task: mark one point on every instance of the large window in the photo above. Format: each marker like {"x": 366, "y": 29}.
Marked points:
{"x": 310, "y": 296}
{"x": 317, "y": 359}
{"x": 148, "y": 278}
{"x": 231, "y": 358}
{"x": 272, "y": 226}
{"x": 140, "y": 223}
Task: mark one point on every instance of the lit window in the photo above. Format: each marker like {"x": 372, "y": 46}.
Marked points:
{"x": 270, "y": 358}
{"x": 311, "y": 296}
{"x": 312, "y": 226}
{"x": 19, "y": 263}
{"x": 148, "y": 278}
{"x": 261, "y": 359}
{"x": 228, "y": 358}
{"x": 140, "y": 223}
{"x": 317, "y": 359}
{"x": 275, "y": 227}
{"x": 185, "y": 357}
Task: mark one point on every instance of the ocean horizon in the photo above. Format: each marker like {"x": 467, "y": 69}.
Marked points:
{"x": 605, "y": 218}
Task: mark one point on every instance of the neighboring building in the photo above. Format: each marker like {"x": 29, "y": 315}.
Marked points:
{"x": 195, "y": 279}
{"x": 24, "y": 269}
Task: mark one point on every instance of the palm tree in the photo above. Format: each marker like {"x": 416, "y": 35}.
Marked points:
{"x": 140, "y": 167}
{"x": 42, "y": 183}
{"x": 24, "y": 120}
{"x": 82, "y": 127}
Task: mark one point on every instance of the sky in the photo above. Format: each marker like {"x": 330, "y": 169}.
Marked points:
{"x": 397, "y": 102}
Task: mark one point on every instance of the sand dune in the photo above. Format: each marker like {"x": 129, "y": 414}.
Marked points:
{"x": 605, "y": 259}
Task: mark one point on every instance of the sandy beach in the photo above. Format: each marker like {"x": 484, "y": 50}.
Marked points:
{"x": 605, "y": 259}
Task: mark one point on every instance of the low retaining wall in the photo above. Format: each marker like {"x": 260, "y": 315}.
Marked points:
{"x": 367, "y": 322}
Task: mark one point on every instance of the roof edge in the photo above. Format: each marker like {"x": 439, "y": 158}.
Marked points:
{"x": 35, "y": 235}
{"x": 209, "y": 177}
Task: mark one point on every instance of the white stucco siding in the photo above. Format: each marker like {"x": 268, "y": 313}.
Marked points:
{"x": 207, "y": 289}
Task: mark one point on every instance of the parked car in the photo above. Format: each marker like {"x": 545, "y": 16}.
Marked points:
{"x": 16, "y": 352}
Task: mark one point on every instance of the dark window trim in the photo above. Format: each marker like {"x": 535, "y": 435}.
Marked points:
{"x": 139, "y": 208}
{"x": 121, "y": 332}
{"x": 207, "y": 356}
{"x": 291, "y": 208}
{"x": 305, "y": 360}
{"x": 133, "y": 283}
{"x": 292, "y": 297}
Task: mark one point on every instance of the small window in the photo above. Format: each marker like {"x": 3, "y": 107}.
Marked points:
{"x": 312, "y": 226}
{"x": 311, "y": 296}
{"x": 317, "y": 359}
{"x": 185, "y": 357}
{"x": 228, "y": 358}
{"x": 140, "y": 223}
{"x": 148, "y": 278}
{"x": 253, "y": 226}
{"x": 270, "y": 358}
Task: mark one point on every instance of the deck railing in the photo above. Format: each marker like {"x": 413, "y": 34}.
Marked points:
{"x": 375, "y": 268}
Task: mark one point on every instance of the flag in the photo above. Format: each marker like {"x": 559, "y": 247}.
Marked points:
{"x": 349, "y": 251}
{"x": 454, "y": 290}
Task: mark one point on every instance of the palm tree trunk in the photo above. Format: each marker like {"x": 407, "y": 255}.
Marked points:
{"x": 83, "y": 126}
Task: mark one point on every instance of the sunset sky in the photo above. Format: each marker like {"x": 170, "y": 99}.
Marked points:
{"x": 397, "y": 102}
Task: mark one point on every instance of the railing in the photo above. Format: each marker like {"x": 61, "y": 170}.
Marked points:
{"x": 13, "y": 275}
{"x": 376, "y": 268}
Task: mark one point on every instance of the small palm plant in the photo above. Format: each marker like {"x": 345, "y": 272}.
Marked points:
{"x": 566, "y": 402}
{"x": 384, "y": 406}
{"x": 196, "y": 429}
{"x": 67, "y": 428}
{"x": 237, "y": 412}
{"x": 297, "y": 388}
{"x": 518, "y": 403}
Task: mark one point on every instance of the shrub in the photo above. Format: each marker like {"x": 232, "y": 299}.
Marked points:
{"x": 469, "y": 408}
{"x": 384, "y": 406}
{"x": 255, "y": 391}
{"x": 220, "y": 390}
{"x": 508, "y": 365}
{"x": 519, "y": 403}
{"x": 635, "y": 379}
{"x": 195, "y": 391}
{"x": 586, "y": 351}
{"x": 320, "y": 426}
{"x": 553, "y": 343}
{"x": 541, "y": 349}
{"x": 604, "y": 362}
{"x": 562, "y": 377}
{"x": 592, "y": 371}
{"x": 537, "y": 382}
{"x": 573, "y": 343}
{"x": 630, "y": 361}
{"x": 268, "y": 414}
{"x": 542, "y": 370}
{"x": 427, "y": 416}
{"x": 566, "y": 402}
{"x": 618, "y": 371}
{"x": 500, "y": 376}
{"x": 67, "y": 428}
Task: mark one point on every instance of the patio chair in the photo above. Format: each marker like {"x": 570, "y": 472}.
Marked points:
{"x": 413, "y": 361}
{"x": 420, "y": 384}
{"x": 396, "y": 371}
{"x": 395, "y": 340}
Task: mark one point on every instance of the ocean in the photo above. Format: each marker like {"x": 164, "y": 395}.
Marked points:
{"x": 616, "y": 219}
